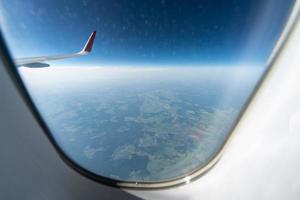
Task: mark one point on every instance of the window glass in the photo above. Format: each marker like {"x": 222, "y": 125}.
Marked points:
{"x": 156, "y": 95}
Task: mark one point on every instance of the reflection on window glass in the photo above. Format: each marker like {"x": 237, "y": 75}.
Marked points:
{"x": 156, "y": 96}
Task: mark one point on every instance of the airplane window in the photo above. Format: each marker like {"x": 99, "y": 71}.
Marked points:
{"x": 141, "y": 92}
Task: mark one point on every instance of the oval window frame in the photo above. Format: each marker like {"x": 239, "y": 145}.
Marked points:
{"x": 183, "y": 179}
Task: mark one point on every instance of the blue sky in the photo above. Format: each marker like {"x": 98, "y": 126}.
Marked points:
{"x": 147, "y": 32}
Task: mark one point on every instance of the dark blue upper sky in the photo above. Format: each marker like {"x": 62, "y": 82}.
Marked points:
{"x": 147, "y": 32}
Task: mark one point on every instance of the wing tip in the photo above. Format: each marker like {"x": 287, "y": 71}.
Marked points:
{"x": 89, "y": 44}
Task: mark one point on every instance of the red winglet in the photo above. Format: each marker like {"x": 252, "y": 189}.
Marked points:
{"x": 89, "y": 45}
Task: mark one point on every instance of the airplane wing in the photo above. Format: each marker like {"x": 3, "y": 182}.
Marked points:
{"x": 38, "y": 61}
